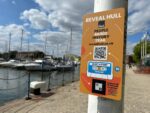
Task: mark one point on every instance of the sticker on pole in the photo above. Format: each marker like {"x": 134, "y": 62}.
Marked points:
{"x": 101, "y": 68}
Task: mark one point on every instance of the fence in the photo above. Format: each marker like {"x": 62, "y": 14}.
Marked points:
{"x": 54, "y": 79}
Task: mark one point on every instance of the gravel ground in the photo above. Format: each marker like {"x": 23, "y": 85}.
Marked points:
{"x": 68, "y": 99}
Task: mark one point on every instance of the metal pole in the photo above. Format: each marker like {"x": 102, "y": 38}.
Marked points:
{"x": 70, "y": 48}
{"x": 42, "y": 72}
{"x": 21, "y": 43}
{"x": 28, "y": 96}
{"x": 141, "y": 51}
{"x": 146, "y": 45}
{"x": 21, "y": 40}
{"x": 28, "y": 48}
{"x": 6, "y": 46}
{"x": 63, "y": 81}
{"x": 49, "y": 82}
{"x": 73, "y": 74}
{"x": 45, "y": 44}
{"x": 9, "y": 44}
{"x": 57, "y": 49}
{"x": 141, "y": 48}
{"x": 97, "y": 104}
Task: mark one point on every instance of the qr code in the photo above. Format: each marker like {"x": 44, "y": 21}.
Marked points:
{"x": 100, "y": 53}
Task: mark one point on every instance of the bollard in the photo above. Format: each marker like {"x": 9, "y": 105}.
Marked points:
{"x": 49, "y": 82}
{"x": 63, "y": 80}
{"x": 42, "y": 78}
{"x": 73, "y": 74}
{"x": 28, "y": 95}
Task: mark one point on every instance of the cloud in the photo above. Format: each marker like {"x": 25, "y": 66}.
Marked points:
{"x": 130, "y": 47}
{"x": 26, "y": 24}
{"x": 37, "y": 18}
{"x": 16, "y": 33}
{"x": 60, "y": 14}
{"x": 139, "y": 17}
{"x": 60, "y": 39}
{"x": 54, "y": 40}
{"x": 13, "y": 2}
{"x": 65, "y": 14}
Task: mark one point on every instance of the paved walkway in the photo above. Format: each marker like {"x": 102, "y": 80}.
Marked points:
{"x": 137, "y": 93}
{"x": 68, "y": 99}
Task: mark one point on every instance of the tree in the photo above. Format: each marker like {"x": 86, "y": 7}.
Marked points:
{"x": 5, "y": 56}
{"x": 137, "y": 51}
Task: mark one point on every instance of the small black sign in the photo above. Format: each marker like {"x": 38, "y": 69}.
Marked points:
{"x": 99, "y": 86}
{"x": 101, "y": 24}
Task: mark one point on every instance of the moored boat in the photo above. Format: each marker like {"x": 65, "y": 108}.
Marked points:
{"x": 39, "y": 65}
{"x": 9, "y": 63}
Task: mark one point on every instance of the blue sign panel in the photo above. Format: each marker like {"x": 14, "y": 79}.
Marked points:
{"x": 100, "y": 69}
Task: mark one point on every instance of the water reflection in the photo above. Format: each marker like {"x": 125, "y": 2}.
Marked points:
{"x": 13, "y": 83}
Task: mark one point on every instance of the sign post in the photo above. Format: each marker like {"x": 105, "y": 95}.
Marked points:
{"x": 102, "y": 59}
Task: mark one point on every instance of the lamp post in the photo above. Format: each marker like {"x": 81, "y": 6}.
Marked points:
{"x": 98, "y": 104}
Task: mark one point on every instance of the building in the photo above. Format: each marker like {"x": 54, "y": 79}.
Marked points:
{"x": 72, "y": 57}
{"x": 30, "y": 55}
{"x": 129, "y": 59}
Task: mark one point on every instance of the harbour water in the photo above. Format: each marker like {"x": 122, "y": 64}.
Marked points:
{"x": 13, "y": 83}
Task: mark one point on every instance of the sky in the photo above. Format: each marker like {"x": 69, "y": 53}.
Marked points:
{"x": 52, "y": 20}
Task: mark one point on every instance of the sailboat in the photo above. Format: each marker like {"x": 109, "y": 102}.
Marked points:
{"x": 39, "y": 65}
{"x": 66, "y": 65}
{"x": 9, "y": 63}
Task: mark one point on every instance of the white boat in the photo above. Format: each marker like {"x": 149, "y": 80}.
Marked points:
{"x": 10, "y": 63}
{"x": 69, "y": 66}
{"x": 39, "y": 65}
{"x": 64, "y": 67}
{"x": 21, "y": 65}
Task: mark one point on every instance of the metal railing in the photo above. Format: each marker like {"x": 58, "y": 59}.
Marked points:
{"x": 54, "y": 79}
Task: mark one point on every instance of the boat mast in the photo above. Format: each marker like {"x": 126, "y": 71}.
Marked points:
{"x": 6, "y": 46}
{"x": 70, "y": 44}
{"x": 28, "y": 48}
{"x": 45, "y": 45}
{"x": 21, "y": 39}
{"x": 70, "y": 47}
{"x": 9, "y": 45}
{"x": 21, "y": 42}
{"x": 57, "y": 46}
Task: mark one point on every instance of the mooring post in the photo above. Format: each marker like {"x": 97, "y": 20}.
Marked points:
{"x": 28, "y": 95}
{"x": 63, "y": 84}
{"x": 49, "y": 82}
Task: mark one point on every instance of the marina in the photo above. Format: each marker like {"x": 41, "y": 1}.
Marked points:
{"x": 14, "y": 83}
{"x": 25, "y": 71}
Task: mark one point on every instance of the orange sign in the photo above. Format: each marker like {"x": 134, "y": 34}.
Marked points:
{"x": 101, "y": 68}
